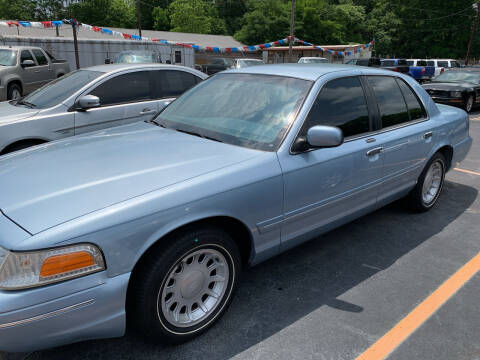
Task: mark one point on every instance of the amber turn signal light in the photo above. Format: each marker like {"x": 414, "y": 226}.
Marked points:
{"x": 64, "y": 263}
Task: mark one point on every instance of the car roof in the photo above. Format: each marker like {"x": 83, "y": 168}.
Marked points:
{"x": 111, "y": 68}
{"x": 301, "y": 71}
{"x": 312, "y": 57}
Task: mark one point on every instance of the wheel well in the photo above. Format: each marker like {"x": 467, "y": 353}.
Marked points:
{"x": 60, "y": 75}
{"x": 19, "y": 83}
{"x": 21, "y": 143}
{"x": 447, "y": 152}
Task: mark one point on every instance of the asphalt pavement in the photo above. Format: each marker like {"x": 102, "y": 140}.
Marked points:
{"x": 337, "y": 295}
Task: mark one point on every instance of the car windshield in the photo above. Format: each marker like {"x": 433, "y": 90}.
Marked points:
{"x": 136, "y": 57}
{"x": 248, "y": 110}
{"x": 8, "y": 57}
{"x": 60, "y": 89}
{"x": 247, "y": 63}
{"x": 313, "y": 61}
{"x": 222, "y": 61}
{"x": 459, "y": 76}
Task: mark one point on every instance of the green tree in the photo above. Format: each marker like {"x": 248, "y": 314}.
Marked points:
{"x": 196, "y": 16}
{"x": 17, "y": 10}
{"x": 161, "y": 19}
{"x": 113, "y": 13}
{"x": 232, "y": 12}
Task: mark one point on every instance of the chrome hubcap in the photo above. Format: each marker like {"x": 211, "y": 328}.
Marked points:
{"x": 194, "y": 288}
{"x": 432, "y": 182}
{"x": 16, "y": 94}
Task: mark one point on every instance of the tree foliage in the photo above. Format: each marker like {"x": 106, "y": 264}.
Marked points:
{"x": 402, "y": 28}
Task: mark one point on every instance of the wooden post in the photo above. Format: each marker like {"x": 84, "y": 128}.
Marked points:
{"x": 75, "y": 41}
{"x": 139, "y": 19}
{"x": 474, "y": 28}
{"x": 290, "y": 42}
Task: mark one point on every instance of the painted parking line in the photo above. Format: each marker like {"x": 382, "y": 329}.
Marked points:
{"x": 468, "y": 171}
{"x": 402, "y": 330}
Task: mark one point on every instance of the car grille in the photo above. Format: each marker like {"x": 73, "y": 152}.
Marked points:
{"x": 439, "y": 93}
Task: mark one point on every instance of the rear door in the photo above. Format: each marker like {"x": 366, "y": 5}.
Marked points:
{"x": 44, "y": 69}
{"x": 124, "y": 98}
{"x": 405, "y": 137}
{"x": 170, "y": 84}
{"x": 328, "y": 185}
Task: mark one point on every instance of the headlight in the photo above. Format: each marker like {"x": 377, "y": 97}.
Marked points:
{"x": 456, "y": 94}
{"x": 21, "y": 270}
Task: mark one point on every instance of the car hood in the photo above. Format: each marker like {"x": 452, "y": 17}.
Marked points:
{"x": 447, "y": 86}
{"x": 10, "y": 113}
{"x": 56, "y": 182}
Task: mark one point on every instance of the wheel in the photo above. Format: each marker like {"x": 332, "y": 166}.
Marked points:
{"x": 20, "y": 146}
{"x": 469, "y": 104}
{"x": 14, "y": 92}
{"x": 182, "y": 289}
{"x": 429, "y": 185}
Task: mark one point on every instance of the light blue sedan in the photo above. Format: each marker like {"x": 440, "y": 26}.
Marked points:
{"x": 154, "y": 221}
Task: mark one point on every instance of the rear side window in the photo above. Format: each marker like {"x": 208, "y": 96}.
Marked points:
{"x": 410, "y": 62}
{"x": 173, "y": 83}
{"x": 422, "y": 63}
{"x": 26, "y": 55}
{"x": 415, "y": 108}
{"x": 126, "y": 88}
{"x": 443, "y": 64}
{"x": 391, "y": 104}
{"x": 340, "y": 103}
{"x": 430, "y": 63}
{"x": 388, "y": 63}
{"x": 402, "y": 62}
{"x": 40, "y": 56}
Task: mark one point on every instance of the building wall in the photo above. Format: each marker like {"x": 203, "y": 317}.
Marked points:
{"x": 94, "y": 52}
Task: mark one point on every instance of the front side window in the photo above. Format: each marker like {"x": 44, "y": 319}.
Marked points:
{"x": 60, "y": 89}
{"x": 249, "y": 110}
{"x": 8, "y": 57}
{"x": 341, "y": 103}
{"x": 414, "y": 106}
{"x": 443, "y": 64}
{"x": 173, "y": 83}
{"x": 391, "y": 104}
{"x": 26, "y": 55}
{"x": 410, "y": 63}
{"x": 40, "y": 56}
{"x": 125, "y": 88}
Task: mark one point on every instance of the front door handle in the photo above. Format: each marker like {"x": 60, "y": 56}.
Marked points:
{"x": 147, "y": 112}
{"x": 428, "y": 135}
{"x": 375, "y": 151}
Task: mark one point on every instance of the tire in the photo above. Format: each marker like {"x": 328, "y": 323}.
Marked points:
{"x": 468, "y": 106}
{"x": 14, "y": 92}
{"x": 180, "y": 279}
{"x": 420, "y": 200}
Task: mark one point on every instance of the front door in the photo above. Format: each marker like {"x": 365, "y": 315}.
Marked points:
{"x": 28, "y": 73}
{"x": 405, "y": 135}
{"x": 44, "y": 69}
{"x": 329, "y": 186}
{"x": 124, "y": 99}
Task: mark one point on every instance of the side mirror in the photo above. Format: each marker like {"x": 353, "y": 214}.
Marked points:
{"x": 87, "y": 102}
{"x": 108, "y": 61}
{"x": 27, "y": 63}
{"x": 321, "y": 136}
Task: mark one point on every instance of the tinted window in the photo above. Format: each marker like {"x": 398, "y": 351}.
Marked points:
{"x": 131, "y": 87}
{"x": 402, "y": 62}
{"x": 455, "y": 64}
{"x": 391, "y": 104}
{"x": 341, "y": 103}
{"x": 415, "y": 108}
{"x": 60, "y": 89}
{"x": 374, "y": 61}
{"x": 41, "y": 58}
{"x": 430, "y": 63}
{"x": 26, "y": 55}
{"x": 410, "y": 62}
{"x": 174, "y": 83}
{"x": 362, "y": 62}
{"x": 388, "y": 63}
{"x": 178, "y": 57}
{"x": 443, "y": 64}
{"x": 421, "y": 63}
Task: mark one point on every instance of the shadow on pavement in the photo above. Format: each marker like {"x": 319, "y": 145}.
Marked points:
{"x": 279, "y": 292}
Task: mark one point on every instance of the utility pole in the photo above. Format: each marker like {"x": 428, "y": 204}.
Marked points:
{"x": 75, "y": 41}
{"x": 290, "y": 43}
{"x": 139, "y": 19}
{"x": 474, "y": 28}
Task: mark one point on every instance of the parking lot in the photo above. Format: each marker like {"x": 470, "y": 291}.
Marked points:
{"x": 334, "y": 297}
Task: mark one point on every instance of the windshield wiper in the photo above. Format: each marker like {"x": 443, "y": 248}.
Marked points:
{"x": 26, "y": 103}
{"x": 198, "y": 134}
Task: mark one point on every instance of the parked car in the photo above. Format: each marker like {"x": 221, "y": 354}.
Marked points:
{"x": 459, "y": 87}
{"x": 420, "y": 70}
{"x": 313, "y": 60}
{"x": 438, "y": 69}
{"x": 24, "y": 69}
{"x": 398, "y": 65}
{"x": 446, "y": 63}
{"x": 136, "y": 57}
{"x": 370, "y": 62}
{"x": 91, "y": 99}
{"x": 155, "y": 220}
{"x": 221, "y": 64}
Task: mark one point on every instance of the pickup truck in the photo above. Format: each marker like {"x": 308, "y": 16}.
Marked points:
{"x": 24, "y": 69}
{"x": 420, "y": 70}
{"x": 397, "y": 65}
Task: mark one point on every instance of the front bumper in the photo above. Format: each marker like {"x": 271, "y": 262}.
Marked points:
{"x": 91, "y": 307}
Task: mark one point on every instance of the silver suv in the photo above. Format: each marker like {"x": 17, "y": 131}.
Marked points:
{"x": 91, "y": 99}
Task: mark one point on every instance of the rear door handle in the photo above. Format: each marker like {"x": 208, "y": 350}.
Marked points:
{"x": 428, "y": 135}
{"x": 375, "y": 151}
{"x": 147, "y": 112}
